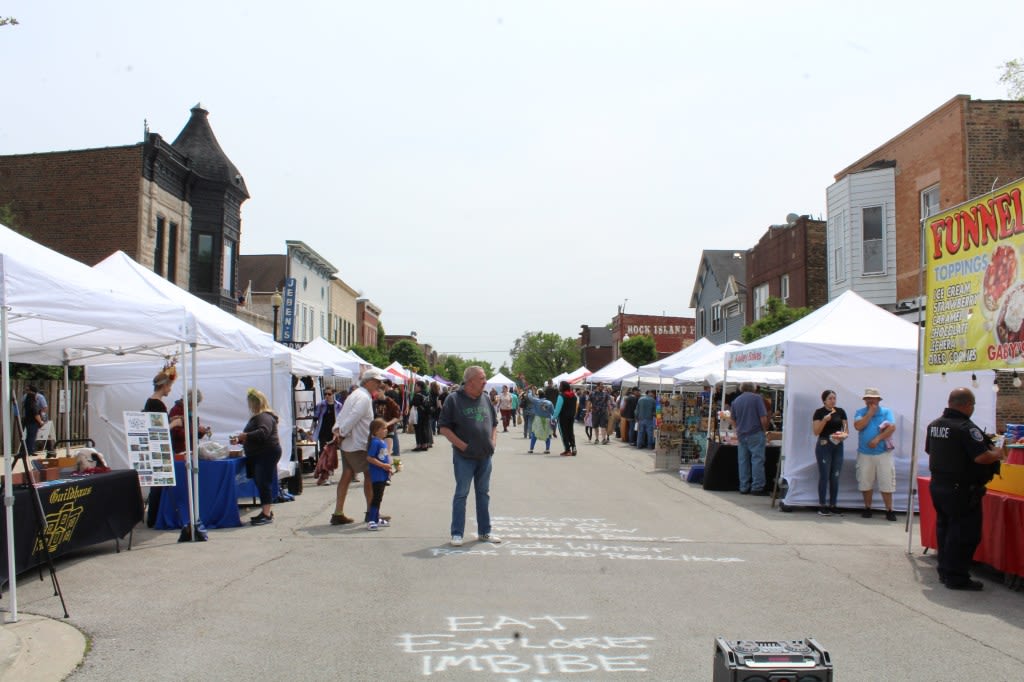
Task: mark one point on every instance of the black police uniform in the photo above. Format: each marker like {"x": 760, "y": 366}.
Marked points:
{"x": 957, "y": 486}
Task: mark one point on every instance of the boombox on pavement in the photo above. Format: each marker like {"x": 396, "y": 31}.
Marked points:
{"x": 794, "y": 660}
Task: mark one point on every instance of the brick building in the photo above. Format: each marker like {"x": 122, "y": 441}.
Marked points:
{"x": 670, "y": 334}
{"x": 596, "y": 349}
{"x": 959, "y": 151}
{"x": 789, "y": 262}
{"x": 174, "y": 208}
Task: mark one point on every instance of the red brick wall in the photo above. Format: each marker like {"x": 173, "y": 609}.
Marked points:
{"x": 670, "y": 334}
{"x": 995, "y": 145}
{"x": 84, "y": 204}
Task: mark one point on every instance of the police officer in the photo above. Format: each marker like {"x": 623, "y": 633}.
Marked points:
{"x": 963, "y": 460}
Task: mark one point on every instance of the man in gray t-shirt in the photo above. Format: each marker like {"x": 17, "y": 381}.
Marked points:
{"x": 469, "y": 421}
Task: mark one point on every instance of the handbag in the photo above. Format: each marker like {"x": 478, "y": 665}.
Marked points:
{"x": 414, "y": 415}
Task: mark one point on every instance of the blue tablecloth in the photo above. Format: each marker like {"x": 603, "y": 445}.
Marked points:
{"x": 218, "y": 495}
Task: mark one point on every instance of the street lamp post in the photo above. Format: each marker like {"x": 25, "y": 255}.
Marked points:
{"x": 275, "y": 301}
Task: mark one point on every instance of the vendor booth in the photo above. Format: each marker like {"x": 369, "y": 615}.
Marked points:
{"x": 613, "y": 373}
{"x": 846, "y": 346}
{"x": 55, "y": 310}
{"x": 498, "y": 381}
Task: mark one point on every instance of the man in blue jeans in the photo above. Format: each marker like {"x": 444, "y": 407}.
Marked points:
{"x": 469, "y": 421}
{"x": 646, "y": 411}
{"x": 751, "y": 419}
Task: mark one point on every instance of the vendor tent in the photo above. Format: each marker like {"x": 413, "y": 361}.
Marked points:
{"x": 54, "y": 309}
{"x": 497, "y": 381}
{"x": 612, "y": 373}
{"x": 846, "y": 346}
{"x": 678, "y": 361}
{"x": 251, "y": 355}
{"x": 342, "y": 364}
{"x": 711, "y": 371}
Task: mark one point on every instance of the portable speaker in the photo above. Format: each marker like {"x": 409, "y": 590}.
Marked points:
{"x": 795, "y": 660}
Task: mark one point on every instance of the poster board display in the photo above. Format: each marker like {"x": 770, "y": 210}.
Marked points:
{"x": 974, "y": 284}
{"x": 149, "y": 447}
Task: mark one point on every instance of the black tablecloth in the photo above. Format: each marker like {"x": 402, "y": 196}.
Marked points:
{"x": 79, "y": 512}
{"x": 721, "y": 468}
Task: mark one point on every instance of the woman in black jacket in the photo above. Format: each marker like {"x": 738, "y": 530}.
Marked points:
{"x": 263, "y": 449}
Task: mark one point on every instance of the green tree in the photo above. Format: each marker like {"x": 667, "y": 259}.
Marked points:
{"x": 777, "y": 316}
{"x": 382, "y": 345}
{"x": 408, "y": 354}
{"x": 1013, "y": 78}
{"x": 543, "y": 355}
{"x": 638, "y": 350}
{"x": 451, "y": 367}
{"x": 370, "y": 354}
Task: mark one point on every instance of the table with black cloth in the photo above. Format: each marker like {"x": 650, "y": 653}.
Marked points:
{"x": 1002, "y": 542}
{"x": 80, "y": 511}
{"x": 218, "y": 495}
{"x": 722, "y": 470}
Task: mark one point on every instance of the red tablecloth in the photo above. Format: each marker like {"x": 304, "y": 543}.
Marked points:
{"x": 1002, "y": 532}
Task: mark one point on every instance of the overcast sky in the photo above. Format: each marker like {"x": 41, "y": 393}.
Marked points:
{"x": 480, "y": 169}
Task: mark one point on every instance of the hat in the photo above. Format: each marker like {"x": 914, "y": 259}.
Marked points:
{"x": 372, "y": 373}
{"x": 871, "y": 393}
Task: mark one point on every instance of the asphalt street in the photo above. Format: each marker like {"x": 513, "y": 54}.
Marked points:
{"x": 608, "y": 570}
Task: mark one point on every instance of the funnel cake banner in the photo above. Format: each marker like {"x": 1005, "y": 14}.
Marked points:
{"x": 974, "y": 284}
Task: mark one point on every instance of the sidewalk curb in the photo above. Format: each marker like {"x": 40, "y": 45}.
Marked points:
{"x": 38, "y": 648}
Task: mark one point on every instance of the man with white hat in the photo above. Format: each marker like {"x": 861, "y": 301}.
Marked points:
{"x": 875, "y": 426}
{"x": 353, "y": 428}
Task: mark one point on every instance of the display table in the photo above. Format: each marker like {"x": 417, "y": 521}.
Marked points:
{"x": 1002, "y": 542}
{"x": 722, "y": 471}
{"x": 218, "y": 495}
{"x": 79, "y": 512}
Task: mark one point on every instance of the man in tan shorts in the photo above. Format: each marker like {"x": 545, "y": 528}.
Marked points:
{"x": 353, "y": 428}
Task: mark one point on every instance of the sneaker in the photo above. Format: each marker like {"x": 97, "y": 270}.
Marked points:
{"x": 547, "y": 452}
{"x": 970, "y": 585}
{"x": 383, "y": 522}
{"x": 530, "y": 451}
{"x": 491, "y": 538}
{"x": 456, "y": 541}
{"x": 866, "y": 514}
{"x": 385, "y": 517}
{"x": 890, "y": 516}
{"x": 835, "y": 511}
{"x": 372, "y": 525}
{"x": 261, "y": 520}
{"x": 253, "y": 518}
{"x": 340, "y": 519}
{"x": 824, "y": 511}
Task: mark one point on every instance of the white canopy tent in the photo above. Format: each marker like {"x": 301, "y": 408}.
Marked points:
{"x": 243, "y": 354}
{"x": 576, "y": 376}
{"x": 612, "y": 373}
{"x": 497, "y": 381}
{"x": 711, "y": 371}
{"x": 846, "y": 346}
{"x": 55, "y": 310}
{"x": 341, "y": 362}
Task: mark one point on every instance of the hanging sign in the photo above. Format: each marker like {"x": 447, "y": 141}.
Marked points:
{"x": 974, "y": 284}
{"x": 288, "y": 322}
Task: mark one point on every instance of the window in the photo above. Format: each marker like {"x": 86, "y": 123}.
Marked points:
{"x": 702, "y": 329}
{"x": 172, "y": 253}
{"x": 158, "y": 247}
{"x": 760, "y": 300}
{"x": 228, "y": 269}
{"x": 784, "y": 287}
{"x": 929, "y": 202}
{"x": 716, "y": 318}
{"x": 202, "y": 275}
{"x": 837, "y": 238}
{"x": 873, "y": 242}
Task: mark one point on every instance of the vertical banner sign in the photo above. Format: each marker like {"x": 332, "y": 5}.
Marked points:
{"x": 288, "y": 321}
{"x": 149, "y": 447}
{"x": 974, "y": 284}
